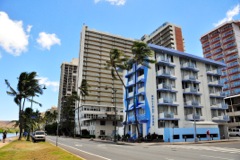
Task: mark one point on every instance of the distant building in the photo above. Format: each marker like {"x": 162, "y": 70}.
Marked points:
{"x": 68, "y": 81}
{"x": 167, "y": 35}
{"x": 223, "y": 44}
{"x": 176, "y": 91}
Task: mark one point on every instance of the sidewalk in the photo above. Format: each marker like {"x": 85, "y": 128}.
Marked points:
{"x": 7, "y": 141}
{"x": 165, "y": 143}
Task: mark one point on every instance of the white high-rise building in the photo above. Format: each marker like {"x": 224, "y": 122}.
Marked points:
{"x": 176, "y": 94}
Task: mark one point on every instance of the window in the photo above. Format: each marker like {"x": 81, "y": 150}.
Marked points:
{"x": 161, "y": 124}
{"x": 227, "y": 33}
{"x": 102, "y": 123}
{"x": 102, "y": 132}
{"x": 141, "y": 111}
{"x": 229, "y": 45}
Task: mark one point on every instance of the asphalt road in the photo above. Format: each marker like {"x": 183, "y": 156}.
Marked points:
{"x": 92, "y": 150}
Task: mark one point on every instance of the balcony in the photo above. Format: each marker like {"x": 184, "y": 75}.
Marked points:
{"x": 140, "y": 90}
{"x": 166, "y": 87}
{"x": 216, "y": 72}
{"x": 130, "y": 83}
{"x": 189, "y": 66}
{"x": 166, "y": 116}
{"x": 130, "y": 94}
{"x": 140, "y": 78}
{"x": 219, "y": 106}
{"x": 192, "y": 103}
{"x": 191, "y": 117}
{"x": 191, "y": 90}
{"x": 215, "y": 83}
{"x": 190, "y": 78}
{"x": 129, "y": 72}
{"x": 165, "y": 61}
{"x": 224, "y": 118}
{"x": 217, "y": 95}
{"x": 167, "y": 101}
{"x": 165, "y": 74}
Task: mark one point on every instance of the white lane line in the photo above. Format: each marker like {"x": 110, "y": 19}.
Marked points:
{"x": 216, "y": 157}
{"x": 82, "y": 151}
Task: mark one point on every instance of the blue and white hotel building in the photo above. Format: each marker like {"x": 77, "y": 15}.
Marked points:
{"x": 176, "y": 94}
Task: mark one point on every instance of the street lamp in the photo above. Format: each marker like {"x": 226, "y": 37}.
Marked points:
{"x": 57, "y": 134}
{"x": 115, "y": 112}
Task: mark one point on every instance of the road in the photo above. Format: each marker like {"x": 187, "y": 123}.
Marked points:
{"x": 92, "y": 150}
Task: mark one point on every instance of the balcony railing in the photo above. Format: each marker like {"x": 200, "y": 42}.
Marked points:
{"x": 219, "y": 106}
{"x": 190, "y": 90}
{"x": 193, "y": 116}
{"x": 161, "y": 60}
{"x": 189, "y": 66}
{"x": 166, "y": 115}
{"x": 164, "y": 86}
{"x": 215, "y": 72}
{"x": 167, "y": 101}
{"x": 192, "y": 103}
{"x": 224, "y": 118}
{"x": 217, "y": 83}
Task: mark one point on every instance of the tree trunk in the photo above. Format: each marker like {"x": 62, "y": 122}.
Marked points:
{"x": 20, "y": 123}
{"x": 79, "y": 123}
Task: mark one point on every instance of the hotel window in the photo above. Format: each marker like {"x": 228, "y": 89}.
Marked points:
{"x": 207, "y": 55}
{"x": 229, "y": 45}
{"x": 232, "y": 64}
{"x": 227, "y": 33}
{"x": 217, "y": 44}
{"x": 228, "y": 39}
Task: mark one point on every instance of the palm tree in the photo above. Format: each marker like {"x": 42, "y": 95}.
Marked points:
{"x": 117, "y": 62}
{"x": 27, "y": 87}
{"x": 141, "y": 56}
{"x": 68, "y": 112}
{"x": 83, "y": 92}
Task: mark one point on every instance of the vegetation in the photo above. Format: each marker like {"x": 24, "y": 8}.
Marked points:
{"x": 28, "y": 151}
{"x": 68, "y": 114}
{"x": 84, "y": 91}
{"x": 27, "y": 88}
{"x": 141, "y": 56}
{"x": 117, "y": 62}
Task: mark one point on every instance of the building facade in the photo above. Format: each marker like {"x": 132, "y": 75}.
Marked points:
{"x": 223, "y": 44}
{"x": 167, "y": 35}
{"x": 96, "y": 112}
{"x": 177, "y": 93}
{"x": 68, "y": 81}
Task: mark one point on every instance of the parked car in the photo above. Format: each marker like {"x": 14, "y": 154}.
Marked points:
{"x": 38, "y": 136}
{"x": 234, "y": 132}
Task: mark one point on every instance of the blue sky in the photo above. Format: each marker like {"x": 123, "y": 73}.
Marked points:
{"x": 40, "y": 35}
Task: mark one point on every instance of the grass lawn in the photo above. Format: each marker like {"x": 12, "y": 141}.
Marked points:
{"x": 25, "y": 150}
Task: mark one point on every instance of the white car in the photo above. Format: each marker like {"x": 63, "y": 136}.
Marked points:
{"x": 38, "y": 136}
{"x": 234, "y": 132}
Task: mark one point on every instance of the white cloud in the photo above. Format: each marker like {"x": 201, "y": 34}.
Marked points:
{"x": 46, "y": 41}
{"x": 13, "y": 38}
{"x": 113, "y": 2}
{"x": 229, "y": 15}
{"x": 54, "y": 85}
{"x": 0, "y": 55}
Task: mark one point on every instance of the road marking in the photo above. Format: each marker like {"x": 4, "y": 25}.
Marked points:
{"x": 207, "y": 148}
{"x": 169, "y": 159}
{"x": 78, "y": 145}
{"x": 83, "y": 151}
{"x": 216, "y": 157}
